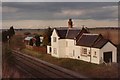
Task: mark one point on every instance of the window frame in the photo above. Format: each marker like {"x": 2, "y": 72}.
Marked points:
{"x": 54, "y": 39}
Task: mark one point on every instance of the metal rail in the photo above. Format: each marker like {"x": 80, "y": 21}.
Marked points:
{"x": 41, "y": 69}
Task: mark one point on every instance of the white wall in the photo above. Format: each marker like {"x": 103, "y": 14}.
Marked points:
{"x": 54, "y": 44}
{"x": 77, "y": 52}
{"x": 48, "y": 49}
{"x": 62, "y": 48}
{"x": 66, "y": 48}
{"x": 109, "y": 47}
{"x": 83, "y": 56}
{"x": 70, "y": 48}
{"x": 95, "y": 58}
{"x": 90, "y": 56}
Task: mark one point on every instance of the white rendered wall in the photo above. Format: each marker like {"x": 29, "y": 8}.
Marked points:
{"x": 54, "y": 44}
{"x": 62, "y": 48}
{"x": 70, "y": 48}
{"x": 84, "y": 57}
{"x": 95, "y": 58}
{"x": 77, "y": 52}
{"x": 48, "y": 49}
{"x": 109, "y": 47}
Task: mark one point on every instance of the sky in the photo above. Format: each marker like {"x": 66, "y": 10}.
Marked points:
{"x": 56, "y": 14}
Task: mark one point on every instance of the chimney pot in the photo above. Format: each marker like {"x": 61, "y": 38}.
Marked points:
{"x": 70, "y": 23}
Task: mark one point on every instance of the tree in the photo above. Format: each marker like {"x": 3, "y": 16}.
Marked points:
{"x": 49, "y": 33}
{"x": 31, "y": 42}
{"x": 11, "y": 32}
{"x": 47, "y": 36}
{"x": 4, "y": 36}
{"x": 37, "y": 42}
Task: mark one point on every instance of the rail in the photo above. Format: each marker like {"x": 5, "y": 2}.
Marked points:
{"x": 42, "y": 69}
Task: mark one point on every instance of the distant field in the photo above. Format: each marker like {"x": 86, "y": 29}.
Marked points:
{"x": 32, "y": 31}
{"x": 111, "y": 34}
{"x": 108, "y": 33}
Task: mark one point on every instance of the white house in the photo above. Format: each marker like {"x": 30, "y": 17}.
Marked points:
{"x": 82, "y": 45}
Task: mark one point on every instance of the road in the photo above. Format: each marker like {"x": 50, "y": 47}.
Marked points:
{"x": 40, "y": 69}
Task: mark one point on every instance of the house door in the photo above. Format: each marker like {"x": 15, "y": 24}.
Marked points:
{"x": 107, "y": 57}
{"x": 50, "y": 49}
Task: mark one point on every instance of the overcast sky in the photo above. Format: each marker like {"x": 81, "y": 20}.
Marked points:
{"x": 56, "y": 14}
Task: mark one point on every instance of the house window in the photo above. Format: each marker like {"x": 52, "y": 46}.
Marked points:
{"x": 95, "y": 53}
{"x": 54, "y": 39}
{"x": 54, "y": 50}
{"x": 50, "y": 50}
{"x": 84, "y": 51}
{"x": 95, "y": 56}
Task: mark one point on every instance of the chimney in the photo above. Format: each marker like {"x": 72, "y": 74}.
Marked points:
{"x": 70, "y": 23}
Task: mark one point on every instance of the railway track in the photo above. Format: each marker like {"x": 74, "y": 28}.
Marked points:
{"x": 40, "y": 69}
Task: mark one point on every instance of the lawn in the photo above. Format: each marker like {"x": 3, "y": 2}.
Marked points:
{"x": 85, "y": 68}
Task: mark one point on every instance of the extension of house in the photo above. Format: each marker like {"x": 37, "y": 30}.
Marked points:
{"x": 82, "y": 45}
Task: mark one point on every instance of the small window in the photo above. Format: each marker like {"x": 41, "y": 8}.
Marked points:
{"x": 54, "y": 39}
{"x": 84, "y": 51}
{"x": 95, "y": 53}
{"x": 54, "y": 50}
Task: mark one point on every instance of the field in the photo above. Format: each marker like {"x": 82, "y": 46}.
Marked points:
{"x": 111, "y": 34}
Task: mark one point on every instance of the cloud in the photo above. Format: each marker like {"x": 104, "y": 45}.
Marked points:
{"x": 44, "y": 14}
{"x": 60, "y": 11}
{"x": 6, "y": 9}
{"x": 102, "y": 13}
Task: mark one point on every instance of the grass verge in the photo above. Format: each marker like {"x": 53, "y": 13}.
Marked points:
{"x": 85, "y": 68}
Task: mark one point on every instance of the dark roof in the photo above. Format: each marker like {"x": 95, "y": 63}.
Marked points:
{"x": 61, "y": 33}
{"x": 83, "y": 37}
{"x": 80, "y": 33}
{"x": 92, "y": 40}
{"x": 100, "y": 43}
{"x": 72, "y": 33}
{"x": 87, "y": 40}
{"x": 67, "y": 33}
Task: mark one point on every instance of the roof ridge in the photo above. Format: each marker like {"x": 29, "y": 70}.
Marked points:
{"x": 79, "y": 38}
{"x": 67, "y": 33}
{"x": 96, "y": 41}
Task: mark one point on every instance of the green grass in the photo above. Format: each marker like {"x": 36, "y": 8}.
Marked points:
{"x": 73, "y": 64}
{"x": 82, "y": 67}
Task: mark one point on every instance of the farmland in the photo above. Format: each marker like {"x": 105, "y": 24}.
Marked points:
{"x": 109, "y": 33}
